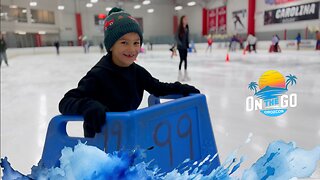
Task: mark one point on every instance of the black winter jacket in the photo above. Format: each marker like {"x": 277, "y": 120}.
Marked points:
{"x": 3, "y": 45}
{"x": 117, "y": 89}
{"x": 183, "y": 39}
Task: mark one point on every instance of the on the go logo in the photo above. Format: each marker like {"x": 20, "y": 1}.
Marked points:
{"x": 271, "y": 99}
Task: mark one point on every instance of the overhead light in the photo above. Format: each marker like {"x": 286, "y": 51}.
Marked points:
{"x": 20, "y": 32}
{"x": 60, "y": 7}
{"x": 146, "y": 2}
{"x": 191, "y": 3}
{"x": 3, "y": 14}
{"x": 24, "y": 11}
{"x": 41, "y": 32}
{"x": 13, "y": 6}
{"x": 137, "y": 6}
{"x": 33, "y": 3}
{"x": 150, "y": 10}
{"x": 93, "y": 1}
{"x": 178, "y": 8}
{"x": 89, "y": 5}
{"x": 108, "y": 8}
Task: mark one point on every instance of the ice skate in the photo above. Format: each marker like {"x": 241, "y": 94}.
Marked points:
{"x": 186, "y": 76}
{"x": 180, "y": 76}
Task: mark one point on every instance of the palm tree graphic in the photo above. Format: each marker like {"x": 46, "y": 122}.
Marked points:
{"x": 291, "y": 80}
{"x": 253, "y": 86}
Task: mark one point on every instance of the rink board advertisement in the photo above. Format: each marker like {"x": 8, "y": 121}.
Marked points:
{"x": 305, "y": 43}
{"x": 295, "y": 13}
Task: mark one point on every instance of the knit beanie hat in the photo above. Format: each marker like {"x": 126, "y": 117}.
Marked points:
{"x": 117, "y": 24}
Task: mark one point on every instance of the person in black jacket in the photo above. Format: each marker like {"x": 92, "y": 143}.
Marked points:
{"x": 3, "y": 49}
{"x": 116, "y": 83}
{"x": 182, "y": 38}
{"x": 57, "y": 45}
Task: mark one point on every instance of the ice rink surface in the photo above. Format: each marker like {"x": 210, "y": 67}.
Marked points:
{"x": 33, "y": 85}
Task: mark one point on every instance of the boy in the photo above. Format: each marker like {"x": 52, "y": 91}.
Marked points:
{"x": 116, "y": 83}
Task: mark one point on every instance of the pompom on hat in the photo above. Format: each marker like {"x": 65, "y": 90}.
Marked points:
{"x": 117, "y": 24}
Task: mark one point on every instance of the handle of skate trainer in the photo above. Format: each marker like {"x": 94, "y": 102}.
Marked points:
{"x": 177, "y": 130}
{"x": 153, "y": 100}
{"x": 57, "y": 138}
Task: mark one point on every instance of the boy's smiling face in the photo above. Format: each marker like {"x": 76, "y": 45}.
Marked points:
{"x": 126, "y": 49}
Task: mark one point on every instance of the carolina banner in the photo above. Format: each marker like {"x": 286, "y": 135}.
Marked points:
{"x": 300, "y": 12}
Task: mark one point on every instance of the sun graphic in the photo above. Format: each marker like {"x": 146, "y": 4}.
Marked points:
{"x": 272, "y": 78}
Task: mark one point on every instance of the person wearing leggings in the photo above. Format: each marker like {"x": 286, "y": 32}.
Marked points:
{"x": 182, "y": 39}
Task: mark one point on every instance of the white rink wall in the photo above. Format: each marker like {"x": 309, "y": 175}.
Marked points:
{"x": 261, "y": 46}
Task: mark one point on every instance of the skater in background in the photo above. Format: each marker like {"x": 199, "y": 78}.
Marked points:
{"x": 173, "y": 50}
{"x": 57, "y": 45}
{"x": 209, "y": 41}
{"x": 278, "y": 45}
{"x": 101, "y": 48}
{"x": 240, "y": 40}
{"x": 182, "y": 38}
{"x": 193, "y": 47}
{"x": 275, "y": 43}
{"x": 252, "y": 41}
{"x": 151, "y": 46}
{"x": 86, "y": 46}
{"x": 298, "y": 38}
{"x": 3, "y": 50}
{"x": 233, "y": 43}
{"x": 116, "y": 83}
{"x": 318, "y": 40}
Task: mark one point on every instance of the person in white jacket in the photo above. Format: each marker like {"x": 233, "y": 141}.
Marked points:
{"x": 275, "y": 42}
{"x": 252, "y": 41}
